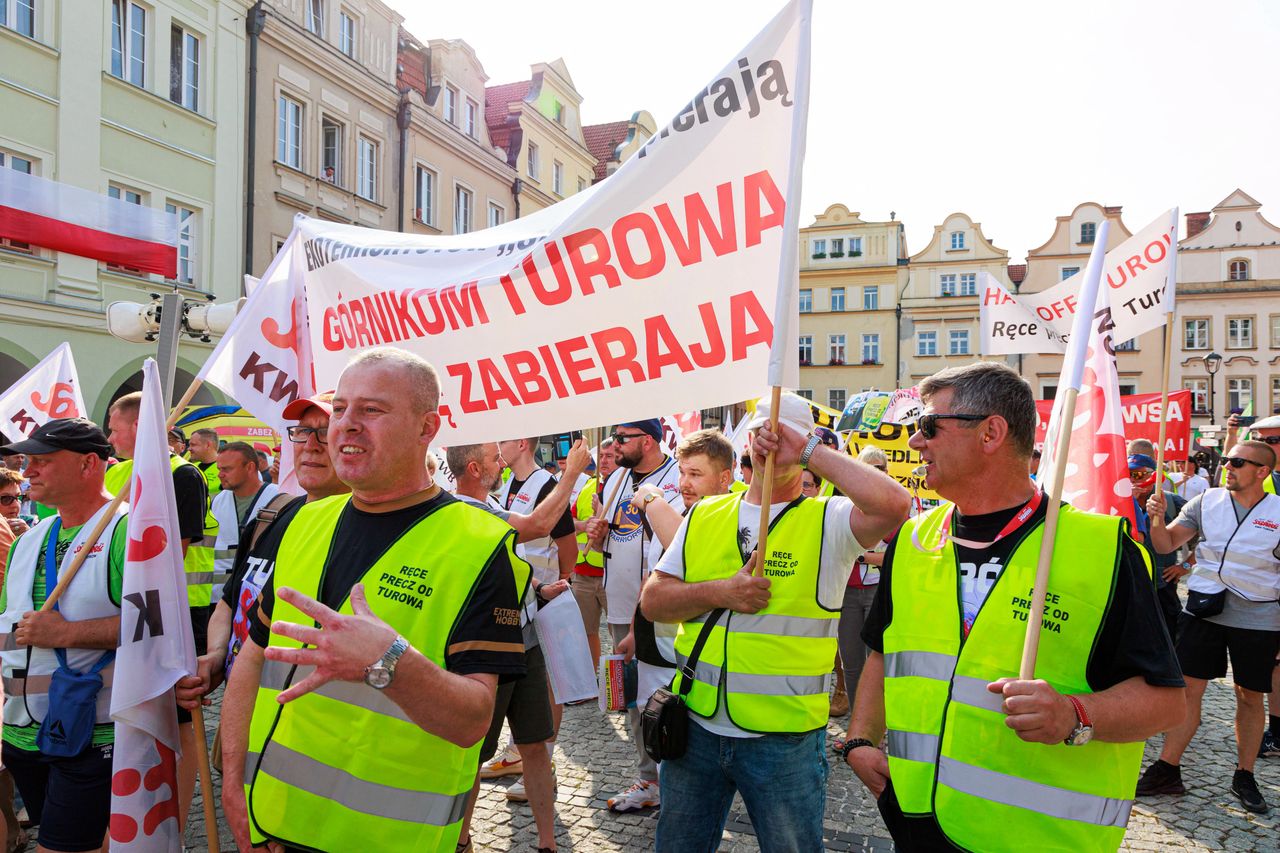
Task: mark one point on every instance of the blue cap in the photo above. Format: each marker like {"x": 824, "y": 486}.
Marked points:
{"x": 652, "y": 427}
{"x": 1141, "y": 460}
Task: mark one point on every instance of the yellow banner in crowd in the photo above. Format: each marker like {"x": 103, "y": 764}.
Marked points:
{"x": 892, "y": 439}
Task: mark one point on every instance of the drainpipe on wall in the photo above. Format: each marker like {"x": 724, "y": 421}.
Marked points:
{"x": 517, "y": 186}
{"x": 403, "y": 116}
{"x": 254, "y": 23}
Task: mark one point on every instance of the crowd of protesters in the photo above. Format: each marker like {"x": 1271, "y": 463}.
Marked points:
{"x": 375, "y": 636}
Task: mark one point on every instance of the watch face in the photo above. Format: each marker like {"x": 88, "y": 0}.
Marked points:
{"x": 1081, "y": 736}
{"x": 378, "y": 677}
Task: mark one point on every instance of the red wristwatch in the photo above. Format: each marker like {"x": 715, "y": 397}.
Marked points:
{"x": 1083, "y": 732}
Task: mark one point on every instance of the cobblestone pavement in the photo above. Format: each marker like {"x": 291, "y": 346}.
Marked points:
{"x": 595, "y": 756}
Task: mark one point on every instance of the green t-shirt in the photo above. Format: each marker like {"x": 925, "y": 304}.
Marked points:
{"x": 24, "y": 737}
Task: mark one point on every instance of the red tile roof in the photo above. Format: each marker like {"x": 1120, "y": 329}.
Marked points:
{"x": 496, "y": 101}
{"x": 410, "y": 64}
{"x": 601, "y": 140}
{"x": 1017, "y": 273}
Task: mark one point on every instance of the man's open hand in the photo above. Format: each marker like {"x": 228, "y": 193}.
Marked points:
{"x": 341, "y": 649}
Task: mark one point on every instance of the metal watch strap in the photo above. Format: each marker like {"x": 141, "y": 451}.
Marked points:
{"x": 812, "y": 445}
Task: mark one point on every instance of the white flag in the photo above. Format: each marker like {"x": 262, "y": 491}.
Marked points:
{"x": 1138, "y": 275}
{"x": 156, "y": 646}
{"x": 49, "y": 391}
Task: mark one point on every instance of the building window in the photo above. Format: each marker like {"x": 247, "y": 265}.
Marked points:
{"x": 330, "y": 151}
{"x": 18, "y": 164}
{"x": 948, "y": 284}
{"x": 1199, "y": 389}
{"x": 347, "y": 34}
{"x": 289, "y": 132}
{"x": 186, "y": 242}
{"x": 926, "y": 343}
{"x": 835, "y": 349}
{"x": 871, "y": 349}
{"x": 19, "y": 16}
{"x": 424, "y": 196}
{"x": 184, "y": 68}
{"x": 315, "y": 17}
{"x": 582, "y": 184}
{"x": 806, "y": 349}
{"x": 532, "y": 165}
{"x": 1238, "y": 271}
{"x": 557, "y": 177}
{"x": 1067, "y": 272}
{"x": 1239, "y": 393}
{"x": 837, "y": 299}
{"x": 959, "y": 342}
{"x": 1275, "y": 331}
{"x": 870, "y": 298}
{"x": 471, "y": 123}
{"x": 129, "y": 196}
{"x": 1275, "y": 394}
{"x": 497, "y": 214}
{"x": 461, "y": 210}
{"x": 367, "y": 168}
{"x": 1088, "y": 231}
{"x": 806, "y": 300}
{"x": 451, "y": 105}
{"x": 1195, "y": 334}
{"x": 806, "y": 393}
{"x": 1048, "y": 392}
{"x": 557, "y": 112}
{"x": 836, "y": 398}
{"x": 1130, "y": 345}
{"x": 957, "y": 239}
{"x": 1128, "y": 389}
{"x": 128, "y": 42}
{"x": 837, "y": 247}
{"x": 1239, "y": 333}
{"x": 968, "y": 284}
{"x": 855, "y": 247}
{"x": 819, "y": 248}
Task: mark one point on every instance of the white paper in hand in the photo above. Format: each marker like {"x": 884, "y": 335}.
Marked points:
{"x": 564, "y": 645}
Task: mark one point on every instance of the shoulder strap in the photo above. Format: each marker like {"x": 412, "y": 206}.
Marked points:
{"x": 268, "y": 514}
{"x": 690, "y": 665}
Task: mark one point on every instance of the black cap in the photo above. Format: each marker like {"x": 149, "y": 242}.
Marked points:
{"x": 79, "y": 435}
{"x": 176, "y": 432}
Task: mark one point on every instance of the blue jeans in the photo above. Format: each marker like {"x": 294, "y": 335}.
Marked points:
{"x": 782, "y": 779}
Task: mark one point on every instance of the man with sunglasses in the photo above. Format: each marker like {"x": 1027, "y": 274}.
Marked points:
{"x": 1230, "y": 612}
{"x": 1168, "y": 569}
{"x": 1266, "y": 430}
{"x": 977, "y": 756}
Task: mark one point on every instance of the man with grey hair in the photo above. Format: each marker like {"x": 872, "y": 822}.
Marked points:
{"x": 976, "y": 755}
{"x": 353, "y": 718}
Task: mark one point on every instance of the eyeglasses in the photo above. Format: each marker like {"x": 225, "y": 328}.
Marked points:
{"x": 9, "y": 499}
{"x": 1239, "y": 462}
{"x": 1270, "y": 439}
{"x": 928, "y": 424}
{"x": 881, "y": 468}
{"x": 621, "y": 438}
{"x": 300, "y": 434}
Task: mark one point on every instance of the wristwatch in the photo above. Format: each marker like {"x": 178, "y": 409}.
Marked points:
{"x": 851, "y": 744}
{"x": 812, "y": 445}
{"x": 648, "y": 499}
{"x": 1083, "y": 732}
{"x": 378, "y": 675}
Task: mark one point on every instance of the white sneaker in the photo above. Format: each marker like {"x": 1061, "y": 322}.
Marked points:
{"x": 641, "y": 795}
{"x": 507, "y": 763}
{"x": 516, "y": 792}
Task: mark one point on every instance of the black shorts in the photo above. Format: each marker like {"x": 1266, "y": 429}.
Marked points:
{"x": 525, "y": 704}
{"x": 69, "y": 797}
{"x": 200, "y": 631}
{"x": 1203, "y": 647}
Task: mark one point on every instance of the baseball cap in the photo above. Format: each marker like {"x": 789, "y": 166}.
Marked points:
{"x": 793, "y": 411}
{"x": 1138, "y": 461}
{"x": 79, "y": 435}
{"x": 177, "y": 433}
{"x": 1271, "y": 422}
{"x": 651, "y": 427}
{"x": 324, "y": 402}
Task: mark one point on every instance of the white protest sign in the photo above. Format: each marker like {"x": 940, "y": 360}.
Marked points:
{"x": 1136, "y": 274}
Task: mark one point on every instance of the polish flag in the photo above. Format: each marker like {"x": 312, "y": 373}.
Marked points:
{"x": 49, "y": 391}
{"x": 73, "y": 220}
{"x": 156, "y": 646}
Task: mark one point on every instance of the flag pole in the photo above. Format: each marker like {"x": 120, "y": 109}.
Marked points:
{"x": 1170, "y": 294}
{"x": 65, "y": 578}
{"x": 206, "y": 780}
{"x": 766, "y": 488}
{"x": 1073, "y": 376}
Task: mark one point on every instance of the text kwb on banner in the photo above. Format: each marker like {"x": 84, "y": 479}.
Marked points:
{"x": 48, "y": 391}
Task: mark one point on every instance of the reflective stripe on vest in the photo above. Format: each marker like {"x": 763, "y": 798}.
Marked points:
{"x": 1237, "y": 555}
{"x": 343, "y": 766}
{"x": 774, "y": 664}
{"x": 950, "y": 752}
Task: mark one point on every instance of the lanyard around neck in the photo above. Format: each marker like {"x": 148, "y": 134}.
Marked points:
{"x": 1019, "y": 518}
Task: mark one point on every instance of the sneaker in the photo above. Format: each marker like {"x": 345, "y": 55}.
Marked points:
{"x": 839, "y": 703}
{"x": 1270, "y": 748}
{"x": 1161, "y": 778}
{"x": 516, "y": 792}
{"x": 506, "y": 764}
{"x": 1246, "y": 790}
{"x": 641, "y": 795}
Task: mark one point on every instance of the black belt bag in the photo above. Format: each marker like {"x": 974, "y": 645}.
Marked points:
{"x": 665, "y": 718}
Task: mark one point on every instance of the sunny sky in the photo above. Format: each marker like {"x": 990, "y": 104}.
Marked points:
{"x": 1013, "y": 112}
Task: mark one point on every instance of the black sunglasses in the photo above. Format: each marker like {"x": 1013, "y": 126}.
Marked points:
{"x": 300, "y": 434}
{"x": 929, "y": 423}
{"x": 623, "y": 437}
{"x": 8, "y": 499}
{"x": 1239, "y": 462}
{"x": 1270, "y": 439}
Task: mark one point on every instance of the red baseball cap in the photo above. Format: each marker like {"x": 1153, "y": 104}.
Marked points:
{"x": 324, "y": 402}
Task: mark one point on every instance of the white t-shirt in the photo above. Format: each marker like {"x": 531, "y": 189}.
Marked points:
{"x": 630, "y": 552}
{"x": 839, "y": 549}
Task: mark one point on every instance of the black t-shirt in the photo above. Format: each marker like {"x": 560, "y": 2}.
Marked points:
{"x": 192, "y": 495}
{"x": 564, "y": 525}
{"x": 484, "y": 637}
{"x": 1133, "y": 639}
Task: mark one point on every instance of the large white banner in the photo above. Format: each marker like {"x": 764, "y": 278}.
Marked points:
{"x": 651, "y": 292}
{"x": 1138, "y": 275}
{"x": 48, "y": 391}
